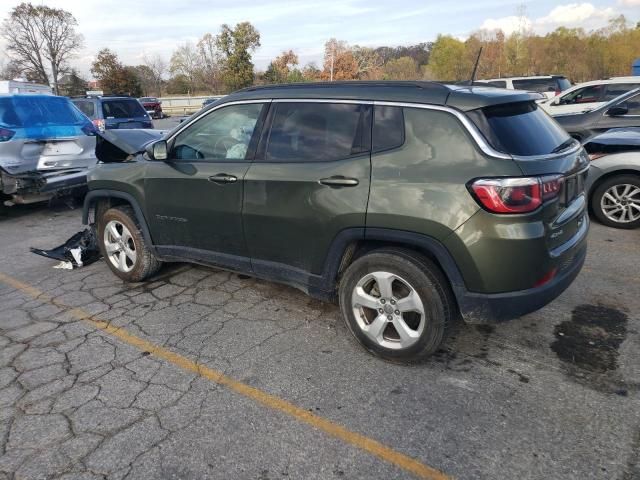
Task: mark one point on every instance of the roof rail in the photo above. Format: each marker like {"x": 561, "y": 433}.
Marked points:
{"x": 348, "y": 83}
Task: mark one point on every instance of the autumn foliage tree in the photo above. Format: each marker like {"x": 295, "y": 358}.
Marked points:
{"x": 114, "y": 77}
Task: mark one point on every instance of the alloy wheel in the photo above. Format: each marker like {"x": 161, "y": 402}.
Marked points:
{"x": 119, "y": 246}
{"x": 621, "y": 203}
{"x": 388, "y": 310}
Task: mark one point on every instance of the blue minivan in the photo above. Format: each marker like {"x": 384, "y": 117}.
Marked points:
{"x": 109, "y": 112}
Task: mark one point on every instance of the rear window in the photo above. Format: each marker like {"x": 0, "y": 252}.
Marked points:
{"x": 536, "y": 84}
{"x": 563, "y": 83}
{"x": 520, "y": 129}
{"x": 122, "y": 109}
{"x": 87, "y": 107}
{"x": 38, "y": 111}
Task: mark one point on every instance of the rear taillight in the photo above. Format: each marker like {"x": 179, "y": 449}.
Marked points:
{"x": 6, "y": 134}
{"x": 515, "y": 195}
{"x": 99, "y": 123}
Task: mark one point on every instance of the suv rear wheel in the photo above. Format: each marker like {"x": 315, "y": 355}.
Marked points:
{"x": 122, "y": 245}
{"x": 396, "y": 303}
{"x": 616, "y": 201}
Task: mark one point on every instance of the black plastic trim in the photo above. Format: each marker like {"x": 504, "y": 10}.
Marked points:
{"x": 93, "y": 195}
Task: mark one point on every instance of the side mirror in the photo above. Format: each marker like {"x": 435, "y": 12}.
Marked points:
{"x": 157, "y": 150}
{"x": 618, "y": 110}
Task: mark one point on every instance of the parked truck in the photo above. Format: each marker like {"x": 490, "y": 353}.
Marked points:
{"x": 19, "y": 86}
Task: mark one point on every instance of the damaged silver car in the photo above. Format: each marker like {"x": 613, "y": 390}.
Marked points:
{"x": 46, "y": 148}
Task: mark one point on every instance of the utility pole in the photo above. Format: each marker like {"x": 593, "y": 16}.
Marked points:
{"x": 332, "y": 55}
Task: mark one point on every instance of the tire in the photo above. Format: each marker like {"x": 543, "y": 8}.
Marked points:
{"x": 140, "y": 263}
{"x": 623, "y": 192}
{"x": 411, "y": 275}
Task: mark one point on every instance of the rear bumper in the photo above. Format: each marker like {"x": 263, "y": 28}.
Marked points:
{"x": 492, "y": 308}
{"x": 37, "y": 182}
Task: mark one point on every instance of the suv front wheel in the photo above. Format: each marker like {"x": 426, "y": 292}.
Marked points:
{"x": 123, "y": 247}
{"x": 396, "y": 303}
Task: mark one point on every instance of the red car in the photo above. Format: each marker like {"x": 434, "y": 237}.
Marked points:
{"x": 153, "y": 106}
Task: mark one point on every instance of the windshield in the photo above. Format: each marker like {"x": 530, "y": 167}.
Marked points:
{"x": 520, "y": 129}
{"x": 38, "y": 111}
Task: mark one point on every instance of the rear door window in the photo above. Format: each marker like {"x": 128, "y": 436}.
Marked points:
{"x": 317, "y": 132}
{"x": 520, "y": 128}
{"x": 122, "y": 109}
{"x": 614, "y": 90}
{"x": 87, "y": 107}
{"x": 498, "y": 83}
{"x": 536, "y": 85}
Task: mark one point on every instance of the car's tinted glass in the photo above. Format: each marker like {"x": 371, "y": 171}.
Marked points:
{"x": 563, "y": 83}
{"x": 519, "y": 128}
{"x": 633, "y": 104}
{"x": 38, "y": 111}
{"x": 498, "y": 83}
{"x": 124, "y": 108}
{"x": 536, "y": 84}
{"x": 87, "y": 107}
{"x": 590, "y": 94}
{"x": 616, "y": 89}
{"x": 313, "y": 132}
{"x": 223, "y": 134}
{"x": 388, "y": 128}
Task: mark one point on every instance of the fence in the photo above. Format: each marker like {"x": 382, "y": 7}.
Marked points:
{"x": 184, "y": 105}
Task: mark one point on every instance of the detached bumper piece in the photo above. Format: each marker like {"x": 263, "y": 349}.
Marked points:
{"x": 80, "y": 250}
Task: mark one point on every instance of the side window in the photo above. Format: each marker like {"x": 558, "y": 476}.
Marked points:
{"x": 584, "y": 95}
{"x": 498, "y": 83}
{"x": 616, "y": 89}
{"x": 388, "y": 128}
{"x": 223, "y": 134}
{"x": 633, "y": 104}
{"x": 317, "y": 132}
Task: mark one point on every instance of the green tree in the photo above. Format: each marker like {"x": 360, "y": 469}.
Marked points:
{"x": 403, "y": 68}
{"x": 237, "y": 45}
{"x": 446, "y": 59}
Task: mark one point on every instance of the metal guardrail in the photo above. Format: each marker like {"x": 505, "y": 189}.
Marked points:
{"x": 184, "y": 105}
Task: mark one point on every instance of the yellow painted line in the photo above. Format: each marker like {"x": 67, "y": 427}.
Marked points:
{"x": 367, "y": 444}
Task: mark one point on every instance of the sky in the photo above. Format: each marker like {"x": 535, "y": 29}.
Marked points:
{"x": 133, "y": 28}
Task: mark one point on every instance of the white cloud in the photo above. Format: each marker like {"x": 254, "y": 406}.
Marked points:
{"x": 572, "y": 15}
{"x": 629, "y": 3}
{"x": 508, "y": 25}
{"x": 575, "y": 14}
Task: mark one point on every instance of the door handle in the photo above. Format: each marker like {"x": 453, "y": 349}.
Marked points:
{"x": 223, "y": 178}
{"x": 339, "y": 181}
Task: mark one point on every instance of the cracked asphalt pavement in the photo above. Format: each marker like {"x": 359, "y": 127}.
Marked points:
{"x": 552, "y": 395}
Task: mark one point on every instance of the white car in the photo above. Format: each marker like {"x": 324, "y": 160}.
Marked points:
{"x": 589, "y": 95}
{"x": 548, "y": 85}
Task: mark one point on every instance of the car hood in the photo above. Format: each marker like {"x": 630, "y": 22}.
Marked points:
{"x": 629, "y": 137}
{"x": 123, "y": 144}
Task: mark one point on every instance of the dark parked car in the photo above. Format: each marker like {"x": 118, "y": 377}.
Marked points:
{"x": 153, "y": 106}
{"x": 613, "y": 184}
{"x": 407, "y": 201}
{"x": 621, "y": 112}
{"x": 114, "y": 112}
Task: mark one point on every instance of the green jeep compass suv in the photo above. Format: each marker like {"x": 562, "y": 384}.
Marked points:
{"x": 409, "y": 202}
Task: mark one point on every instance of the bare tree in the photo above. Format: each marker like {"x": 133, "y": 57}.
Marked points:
{"x": 158, "y": 67}
{"x": 211, "y": 60}
{"x": 41, "y": 40}
{"x": 185, "y": 61}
